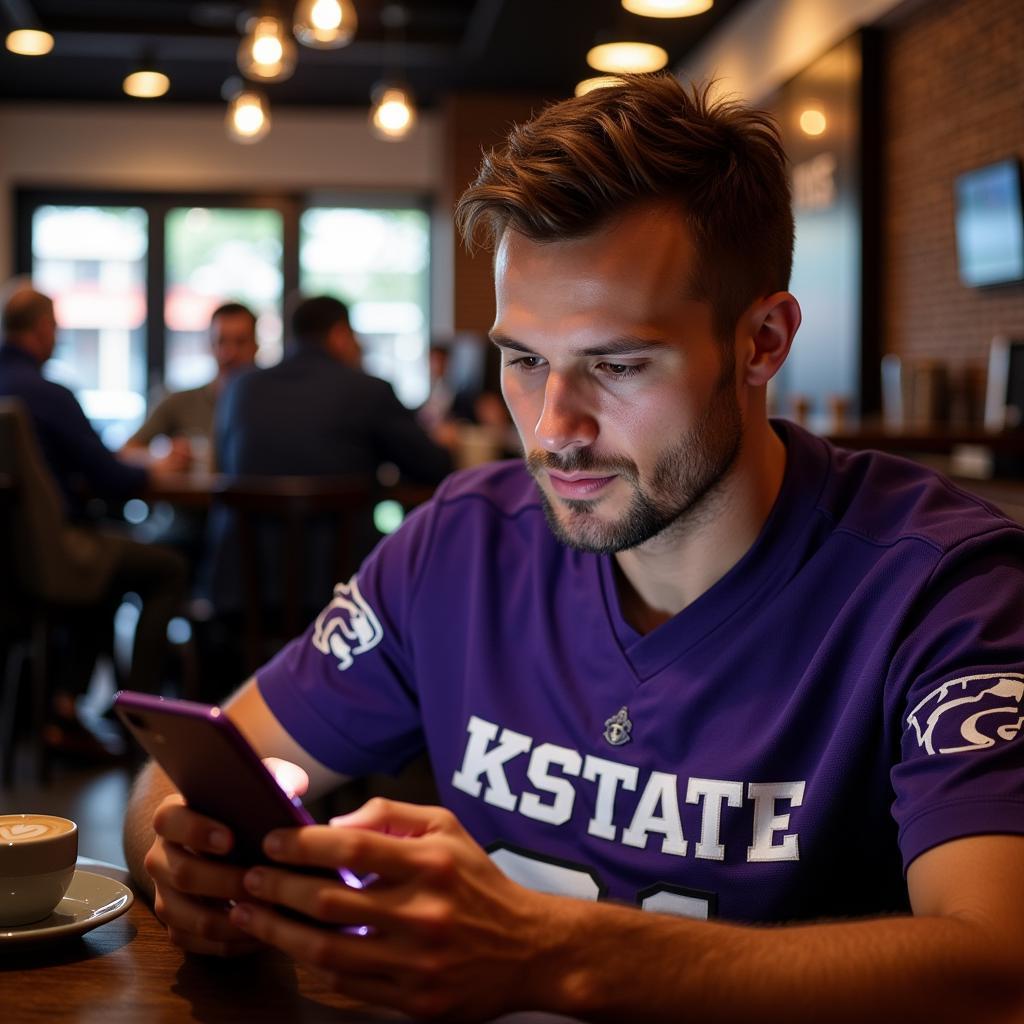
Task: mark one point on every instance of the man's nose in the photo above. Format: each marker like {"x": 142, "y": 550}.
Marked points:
{"x": 565, "y": 420}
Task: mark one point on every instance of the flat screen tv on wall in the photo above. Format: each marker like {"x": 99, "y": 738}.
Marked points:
{"x": 990, "y": 224}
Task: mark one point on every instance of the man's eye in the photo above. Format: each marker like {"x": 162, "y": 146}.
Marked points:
{"x": 525, "y": 362}
{"x": 621, "y": 369}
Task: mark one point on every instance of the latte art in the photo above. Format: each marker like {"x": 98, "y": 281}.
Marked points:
{"x": 27, "y": 828}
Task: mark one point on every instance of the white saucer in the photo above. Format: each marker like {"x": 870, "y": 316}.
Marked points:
{"x": 91, "y": 900}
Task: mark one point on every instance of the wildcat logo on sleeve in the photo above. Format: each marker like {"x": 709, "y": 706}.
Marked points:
{"x": 970, "y": 713}
{"x": 347, "y": 626}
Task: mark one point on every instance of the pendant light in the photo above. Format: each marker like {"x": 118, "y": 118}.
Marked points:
{"x": 392, "y": 103}
{"x": 266, "y": 52}
{"x": 393, "y": 111}
{"x": 324, "y": 24}
{"x": 248, "y": 115}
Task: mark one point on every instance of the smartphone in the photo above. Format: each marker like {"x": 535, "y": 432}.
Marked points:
{"x": 216, "y": 770}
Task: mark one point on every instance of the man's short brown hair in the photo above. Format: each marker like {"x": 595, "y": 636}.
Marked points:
{"x": 580, "y": 162}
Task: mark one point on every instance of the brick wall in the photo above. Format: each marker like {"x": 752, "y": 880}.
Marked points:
{"x": 955, "y": 100}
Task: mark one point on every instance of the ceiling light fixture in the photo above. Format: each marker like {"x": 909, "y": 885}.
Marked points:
{"x": 627, "y": 57}
{"x": 248, "y": 116}
{"x": 813, "y": 122}
{"x": 600, "y": 82}
{"x": 668, "y": 8}
{"x": 266, "y": 53}
{"x": 146, "y": 82}
{"x": 392, "y": 103}
{"x": 29, "y": 42}
{"x": 393, "y": 111}
{"x": 325, "y": 24}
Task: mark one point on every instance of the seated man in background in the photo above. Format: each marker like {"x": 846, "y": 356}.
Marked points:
{"x": 727, "y": 721}
{"x": 187, "y": 419}
{"x": 189, "y": 414}
{"x": 82, "y": 466}
{"x": 316, "y": 413}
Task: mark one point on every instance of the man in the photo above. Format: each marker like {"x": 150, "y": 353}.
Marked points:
{"x": 316, "y": 413}
{"x": 80, "y": 463}
{"x": 743, "y": 676}
{"x": 189, "y": 414}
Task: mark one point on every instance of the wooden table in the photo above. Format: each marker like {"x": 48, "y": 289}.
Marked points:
{"x": 127, "y": 972}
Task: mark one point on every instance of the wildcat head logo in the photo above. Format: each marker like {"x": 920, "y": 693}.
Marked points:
{"x": 347, "y": 626}
{"x": 970, "y": 713}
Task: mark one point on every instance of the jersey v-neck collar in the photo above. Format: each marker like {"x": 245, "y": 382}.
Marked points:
{"x": 764, "y": 567}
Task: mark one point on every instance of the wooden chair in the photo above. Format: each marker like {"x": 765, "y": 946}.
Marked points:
{"x": 275, "y": 520}
{"x": 52, "y": 569}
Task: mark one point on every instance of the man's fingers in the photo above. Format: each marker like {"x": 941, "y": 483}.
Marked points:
{"x": 198, "y": 926}
{"x": 364, "y": 852}
{"x": 197, "y": 876}
{"x": 324, "y": 899}
{"x": 175, "y": 822}
{"x": 393, "y": 817}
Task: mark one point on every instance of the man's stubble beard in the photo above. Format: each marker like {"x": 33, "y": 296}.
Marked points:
{"x": 685, "y": 479}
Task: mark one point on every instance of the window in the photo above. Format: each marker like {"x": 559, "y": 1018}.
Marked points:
{"x": 376, "y": 261}
{"x": 108, "y": 258}
{"x": 92, "y": 261}
{"x": 216, "y": 256}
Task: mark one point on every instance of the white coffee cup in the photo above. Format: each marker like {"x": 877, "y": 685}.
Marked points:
{"x": 37, "y": 862}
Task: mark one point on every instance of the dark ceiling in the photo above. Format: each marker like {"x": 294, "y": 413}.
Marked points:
{"x": 533, "y": 46}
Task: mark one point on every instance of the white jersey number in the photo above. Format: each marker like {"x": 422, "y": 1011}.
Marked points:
{"x": 563, "y": 878}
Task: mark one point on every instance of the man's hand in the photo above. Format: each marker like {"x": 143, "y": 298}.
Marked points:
{"x": 176, "y": 459}
{"x": 192, "y": 890}
{"x": 449, "y": 934}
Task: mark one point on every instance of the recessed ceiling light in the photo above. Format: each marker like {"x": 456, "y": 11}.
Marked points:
{"x": 813, "y": 122}
{"x": 625, "y": 57}
{"x": 29, "y": 42}
{"x": 146, "y": 84}
{"x": 668, "y": 8}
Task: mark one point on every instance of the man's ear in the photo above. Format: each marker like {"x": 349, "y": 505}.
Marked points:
{"x": 769, "y": 326}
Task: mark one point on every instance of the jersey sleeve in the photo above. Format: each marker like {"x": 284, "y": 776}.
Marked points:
{"x": 345, "y": 689}
{"x": 960, "y": 699}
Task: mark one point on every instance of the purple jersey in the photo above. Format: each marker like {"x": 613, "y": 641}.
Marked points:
{"x": 850, "y": 694}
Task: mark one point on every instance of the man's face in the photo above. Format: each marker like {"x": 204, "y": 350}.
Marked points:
{"x": 233, "y": 341}
{"x": 625, "y": 401}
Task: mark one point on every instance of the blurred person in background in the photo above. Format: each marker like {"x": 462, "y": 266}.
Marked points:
{"x": 83, "y": 467}
{"x": 316, "y": 414}
{"x": 189, "y": 414}
{"x": 186, "y": 419}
